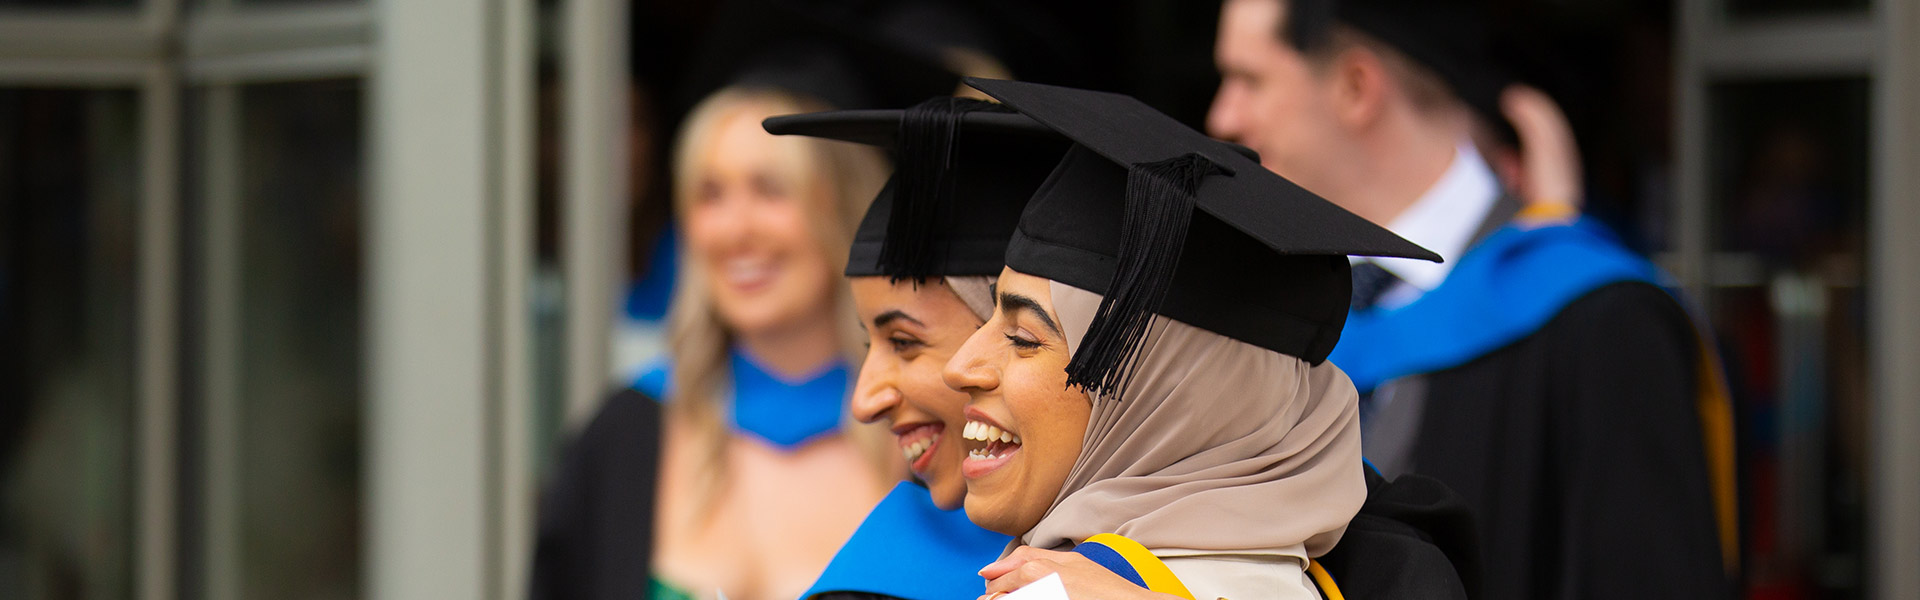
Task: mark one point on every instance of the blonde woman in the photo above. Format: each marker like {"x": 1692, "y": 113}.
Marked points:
{"x": 731, "y": 467}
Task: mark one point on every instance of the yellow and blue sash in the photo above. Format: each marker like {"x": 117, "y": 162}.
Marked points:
{"x": 1133, "y": 562}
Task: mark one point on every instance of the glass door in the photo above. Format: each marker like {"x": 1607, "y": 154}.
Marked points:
{"x": 1786, "y": 210}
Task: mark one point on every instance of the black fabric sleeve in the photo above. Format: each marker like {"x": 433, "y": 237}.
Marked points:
{"x": 595, "y": 527}
{"x": 558, "y": 569}
{"x": 1414, "y": 538}
{"x": 1636, "y": 516}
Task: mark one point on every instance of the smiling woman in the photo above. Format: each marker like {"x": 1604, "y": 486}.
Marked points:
{"x": 1152, "y": 391}
{"x": 743, "y": 435}
{"x": 920, "y": 268}
{"x": 1024, "y": 423}
{"x": 764, "y": 220}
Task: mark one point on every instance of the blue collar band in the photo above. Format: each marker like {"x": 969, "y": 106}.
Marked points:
{"x": 910, "y": 549}
{"x": 785, "y": 413}
{"x": 1502, "y": 290}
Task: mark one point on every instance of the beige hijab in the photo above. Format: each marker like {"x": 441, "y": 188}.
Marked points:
{"x": 975, "y": 291}
{"x": 1220, "y": 446}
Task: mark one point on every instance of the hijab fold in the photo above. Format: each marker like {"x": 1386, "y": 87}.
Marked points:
{"x": 1220, "y": 447}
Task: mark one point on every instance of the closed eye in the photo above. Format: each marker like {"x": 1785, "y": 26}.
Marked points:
{"x": 1022, "y": 343}
{"x": 903, "y": 344}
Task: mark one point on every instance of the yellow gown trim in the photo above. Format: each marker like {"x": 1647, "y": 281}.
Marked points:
{"x": 1324, "y": 580}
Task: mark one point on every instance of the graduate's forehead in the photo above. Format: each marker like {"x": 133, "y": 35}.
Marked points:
{"x": 1022, "y": 294}
{"x": 740, "y": 147}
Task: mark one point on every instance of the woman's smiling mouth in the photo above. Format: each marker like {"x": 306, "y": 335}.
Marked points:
{"x": 988, "y": 448}
{"x": 749, "y": 274}
{"x": 917, "y": 443}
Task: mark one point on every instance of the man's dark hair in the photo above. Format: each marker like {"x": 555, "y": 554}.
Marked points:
{"x": 1312, "y": 28}
{"x": 1307, "y": 25}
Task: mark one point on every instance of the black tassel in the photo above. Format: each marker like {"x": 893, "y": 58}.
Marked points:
{"x": 924, "y": 159}
{"x": 1159, "y": 207}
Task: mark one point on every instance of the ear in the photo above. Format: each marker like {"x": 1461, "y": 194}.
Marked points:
{"x": 1361, "y": 87}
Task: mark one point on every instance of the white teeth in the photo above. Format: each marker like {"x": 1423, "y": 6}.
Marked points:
{"x": 983, "y": 432}
{"x": 745, "y": 270}
{"x": 914, "y": 450}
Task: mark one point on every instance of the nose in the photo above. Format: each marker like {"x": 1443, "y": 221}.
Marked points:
{"x": 973, "y": 368}
{"x": 874, "y": 394}
{"x": 1223, "y": 117}
{"x": 736, "y": 218}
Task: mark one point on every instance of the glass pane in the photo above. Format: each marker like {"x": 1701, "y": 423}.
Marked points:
{"x": 547, "y": 287}
{"x": 300, "y": 190}
{"x": 1740, "y": 9}
{"x": 291, "y": 431}
{"x": 69, "y": 185}
{"x": 1790, "y": 196}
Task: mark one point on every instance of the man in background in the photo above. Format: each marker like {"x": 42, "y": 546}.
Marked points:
{"x": 1539, "y": 371}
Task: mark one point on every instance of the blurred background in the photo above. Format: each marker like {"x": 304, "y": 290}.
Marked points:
{"x": 299, "y": 297}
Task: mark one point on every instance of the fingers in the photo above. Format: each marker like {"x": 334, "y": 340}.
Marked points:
{"x": 1012, "y": 561}
{"x": 1018, "y": 577}
{"x": 1549, "y": 155}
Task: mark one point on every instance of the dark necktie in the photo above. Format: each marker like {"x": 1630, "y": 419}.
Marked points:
{"x": 1370, "y": 281}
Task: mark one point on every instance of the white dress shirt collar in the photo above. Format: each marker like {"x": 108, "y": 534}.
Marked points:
{"x": 1443, "y": 220}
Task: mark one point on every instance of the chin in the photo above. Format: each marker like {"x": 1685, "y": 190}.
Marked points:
{"x": 992, "y": 517}
{"x": 948, "y": 497}
{"x": 757, "y": 314}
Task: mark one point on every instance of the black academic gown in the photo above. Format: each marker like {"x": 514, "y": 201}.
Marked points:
{"x": 1413, "y": 539}
{"x": 595, "y": 537}
{"x": 1579, "y": 449}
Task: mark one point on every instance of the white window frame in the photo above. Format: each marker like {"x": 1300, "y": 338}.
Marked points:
{"x": 449, "y": 484}
{"x": 447, "y": 455}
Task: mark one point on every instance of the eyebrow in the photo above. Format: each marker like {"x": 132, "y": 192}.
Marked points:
{"x": 1011, "y": 302}
{"x": 895, "y": 315}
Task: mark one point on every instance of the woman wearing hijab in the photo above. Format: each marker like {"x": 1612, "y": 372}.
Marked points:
{"x": 1151, "y": 392}
{"x": 920, "y": 268}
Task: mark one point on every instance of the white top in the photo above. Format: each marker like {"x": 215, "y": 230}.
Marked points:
{"x": 1243, "y": 576}
{"x": 1443, "y": 220}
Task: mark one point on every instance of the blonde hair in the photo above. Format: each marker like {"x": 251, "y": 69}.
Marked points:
{"x": 841, "y": 179}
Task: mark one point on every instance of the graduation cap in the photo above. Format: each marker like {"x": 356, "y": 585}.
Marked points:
{"x": 1160, "y": 219}
{"x": 964, "y": 170}
{"x": 1452, "y": 38}
{"x": 830, "y": 55}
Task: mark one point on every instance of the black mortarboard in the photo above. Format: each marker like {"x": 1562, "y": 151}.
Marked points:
{"x": 831, "y": 55}
{"x": 964, "y": 170}
{"x": 1452, "y": 38}
{"x": 1161, "y": 219}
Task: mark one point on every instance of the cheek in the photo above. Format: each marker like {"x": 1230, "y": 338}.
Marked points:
{"x": 702, "y": 226}
{"x": 784, "y": 222}
{"x": 929, "y": 393}
{"x": 1046, "y": 410}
